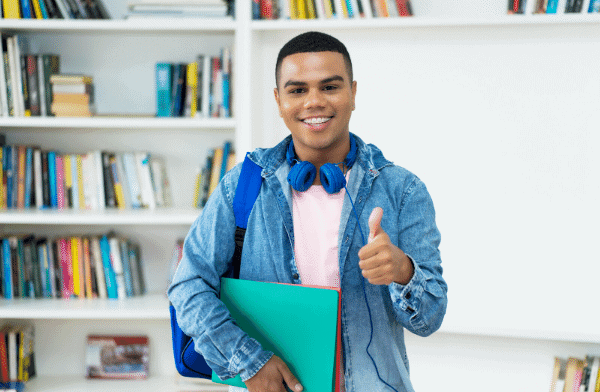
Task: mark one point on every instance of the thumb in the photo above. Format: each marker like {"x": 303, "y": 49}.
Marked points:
{"x": 291, "y": 381}
{"x": 375, "y": 223}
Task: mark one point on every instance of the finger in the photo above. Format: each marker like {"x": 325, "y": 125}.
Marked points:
{"x": 375, "y": 222}
{"x": 291, "y": 381}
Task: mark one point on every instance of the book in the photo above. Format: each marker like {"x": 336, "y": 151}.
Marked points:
{"x": 96, "y": 255}
{"x": 120, "y": 188}
{"x": 268, "y": 312}
{"x": 66, "y": 266}
{"x": 163, "y": 89}
{"x": 87, "y": 267}
{"x": 11, "y": 9}
{"x": 215, "y": 175}
{"x": 6, "y": 283}
{"x": 3, "y": 88}
{"x": 132, "y": 180}
{"x": 109, "y": 272}
{"x": 77, "y": 262}
{"x": 33, "y": 85}
{"x": 117, "y": 357}
{"x": 117, "y": 265}
{"x": 142, "y": 161}
{"x": 26, "y": 358}
{"x": 4, "y": 353}
{"x": 191, "y": 94}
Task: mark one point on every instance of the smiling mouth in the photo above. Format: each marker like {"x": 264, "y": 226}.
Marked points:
{"x": 316, "y": 120}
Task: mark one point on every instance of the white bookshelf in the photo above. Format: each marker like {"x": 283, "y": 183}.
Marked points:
{"x": 448, "y": 57}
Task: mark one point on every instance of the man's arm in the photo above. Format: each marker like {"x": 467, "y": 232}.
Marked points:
{"x": 412, "y": 270}
{"x": 207, "y": 253}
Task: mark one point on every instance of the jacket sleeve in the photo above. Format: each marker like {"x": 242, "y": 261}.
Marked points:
{"x": 420, "y": 305}
{"x": 194, "y": 292}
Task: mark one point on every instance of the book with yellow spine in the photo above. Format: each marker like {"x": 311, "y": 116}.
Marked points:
{"x": 191, "y": 95}
{"x": 11, "y": 9}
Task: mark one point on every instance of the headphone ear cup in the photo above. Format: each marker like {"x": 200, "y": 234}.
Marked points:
{"x": 302, "y": 175}
{"x": 332, "y": 178}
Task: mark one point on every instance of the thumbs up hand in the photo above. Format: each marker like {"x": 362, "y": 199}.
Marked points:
{"x": 381, "y": 261}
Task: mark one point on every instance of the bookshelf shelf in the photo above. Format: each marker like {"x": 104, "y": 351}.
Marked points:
{"x": 80, "y": 384}
{"x": 160, "y": 216}
{"x": 146, "y": 25}
{"x": 147, "y": 307}
{"x": 117, "y": 122}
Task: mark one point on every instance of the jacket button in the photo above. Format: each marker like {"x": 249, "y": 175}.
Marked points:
{"x": 295, "y": 276}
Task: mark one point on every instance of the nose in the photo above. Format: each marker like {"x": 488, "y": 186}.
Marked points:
{"x": 314, "y": 98}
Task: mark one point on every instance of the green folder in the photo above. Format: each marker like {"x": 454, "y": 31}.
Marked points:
{"x": 298, "y": 323}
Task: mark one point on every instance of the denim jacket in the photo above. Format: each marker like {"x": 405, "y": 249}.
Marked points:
{"x": 268, "y": 256}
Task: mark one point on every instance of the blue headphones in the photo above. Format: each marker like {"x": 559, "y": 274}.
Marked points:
{"x": 302, "y": 173}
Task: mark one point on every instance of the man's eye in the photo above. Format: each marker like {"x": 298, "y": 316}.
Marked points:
{"x": 296, "y": 91}
{"x": 330, "y": 87}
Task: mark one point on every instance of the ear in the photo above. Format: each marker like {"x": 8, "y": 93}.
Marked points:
{"x": 276, "y": 93}
{"x": 353, "y": 94}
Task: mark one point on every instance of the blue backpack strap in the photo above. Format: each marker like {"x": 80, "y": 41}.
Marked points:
{"x": 246, "y": 193}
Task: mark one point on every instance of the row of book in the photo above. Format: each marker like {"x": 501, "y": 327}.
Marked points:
{"x": 17, "y": 355}
{"x": 54, "y": 9}
{"x": 198, "y": 89}
{"x": 553, "y": 6}
{"x": 576, "y": 374}
{"x": 219, "y": 161}
{"x": 181, "y": 9}
{"x": 329, "y": 9}
{"x": 34, "y": 178}
{"x": 106, "y": 266}
{"x": 25, "y": 86}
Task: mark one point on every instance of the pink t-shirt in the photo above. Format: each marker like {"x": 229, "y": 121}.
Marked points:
{"x": 317, "y": 217}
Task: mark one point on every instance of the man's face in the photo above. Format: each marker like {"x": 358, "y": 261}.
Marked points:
{"x": 315, "y": 97}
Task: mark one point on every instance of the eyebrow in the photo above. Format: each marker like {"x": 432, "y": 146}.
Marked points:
{"x": 324, "y": 81}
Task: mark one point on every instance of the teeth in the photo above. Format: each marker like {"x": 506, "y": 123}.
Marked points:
{"x": 316, "y": 120}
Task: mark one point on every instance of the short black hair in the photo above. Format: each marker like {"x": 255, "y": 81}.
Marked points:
{"x": 313, "y": 41}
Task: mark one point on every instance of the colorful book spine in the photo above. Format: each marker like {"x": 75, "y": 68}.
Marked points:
{"x": 28, "y": 176}
{"x": 163, "y": 90}
{"x": 109, "y": 273}
{"x": 7, "y": 270}
{"x": 66, "y": 267}
{"x": 60, "y": 182}
{"x": 76, "y": 262}
{"x": 52, "y": 179}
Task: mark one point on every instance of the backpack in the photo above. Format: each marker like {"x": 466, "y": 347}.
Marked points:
{"x": 188, "y": 362}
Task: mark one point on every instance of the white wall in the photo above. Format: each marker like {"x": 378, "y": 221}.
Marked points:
{"x": 500, "y": 122}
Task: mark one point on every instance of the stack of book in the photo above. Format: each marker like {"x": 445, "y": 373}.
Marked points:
{"x": 198, "y": 89}
{"x": 17, "y": 362}
{"x": 76, "y": 266}
{"x": 72, "y": 95}
{"x": 54, "y": 9}
{"x": 329, "y": 9}
{"x": 553, "y": 6}
{"x": 181, "y": 9}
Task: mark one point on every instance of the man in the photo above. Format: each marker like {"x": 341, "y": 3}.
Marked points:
{"x": 312, "y": 233}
